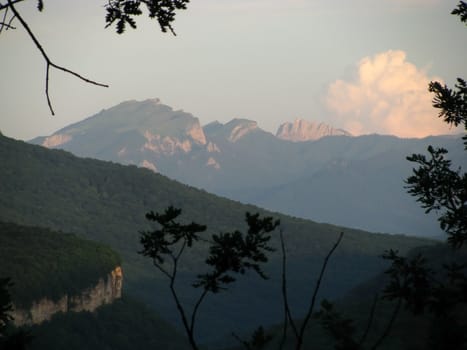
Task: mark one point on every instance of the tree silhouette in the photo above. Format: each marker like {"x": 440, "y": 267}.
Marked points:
{"x": 230, "y": 254}
{"x": 119, "y": 12}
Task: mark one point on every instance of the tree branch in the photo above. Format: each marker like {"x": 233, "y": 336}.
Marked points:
{"x": 161, "y": 269}
{"x": 46, "y": 57}
{"x": 389, "y": 326}
{"x": 4, "y": 24}
{"x": 315, "y": 293}
{"x": 6, "y": 6}
{"x": 287, "y": 313}
{"x": 195, "y": 311}
{"x": 180, "y": 308}
{"x": 370, "y": 320}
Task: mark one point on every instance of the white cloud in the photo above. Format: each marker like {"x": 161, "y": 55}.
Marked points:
{"x": 388, "y": 95}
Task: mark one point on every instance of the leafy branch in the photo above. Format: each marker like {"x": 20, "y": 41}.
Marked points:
{"x": 230, "y": 254}
{"x": 123, "y": 12}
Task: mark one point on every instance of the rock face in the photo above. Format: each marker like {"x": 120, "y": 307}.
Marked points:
{"x": 104, "y": 292}
{"x": 303, "y": 130}
{"x": 130, "y": 128}
{"x": 239, "y": 128}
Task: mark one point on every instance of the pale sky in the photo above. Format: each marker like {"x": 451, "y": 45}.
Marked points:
{"x": 362, "y": 65}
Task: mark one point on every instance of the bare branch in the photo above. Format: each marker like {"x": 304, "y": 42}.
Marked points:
{"x": 389, "y": 325}
{"x": 241, "y": 341}
{"x": 6, "y": 6}
{"x": 370, "y": 320}
{"x": 46, "y": 57}
{"x": 161, "y": 269}
{"x": 195, "y": 311}
{"x": 4, "y": 23}
{"x": 315, "y": 293}
{"x": 287, "y": 314}
{"x": 180, "y": 308}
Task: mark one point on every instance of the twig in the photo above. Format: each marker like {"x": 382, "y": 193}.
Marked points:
{"x": 6, "y": 6}
{"x": 287, "y": 313}
{"x": 389, "y": 326}
{"x": 4, "y": 24}
{"x": 195, "y": 311}
{"x": 315, "y": 293}
{"x": 180, "y": 308}
{"x": 370, "y": 320}
{"x": 46, "y": 57}
{"x": 241, "y": 341}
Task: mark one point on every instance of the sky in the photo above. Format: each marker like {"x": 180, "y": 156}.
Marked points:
{"x": 360, "y": 65}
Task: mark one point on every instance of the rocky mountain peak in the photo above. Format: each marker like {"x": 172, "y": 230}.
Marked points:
{"x": 238, "y": 128}
{"x": 143, "y": 125}
{"x": 303, "y": 130}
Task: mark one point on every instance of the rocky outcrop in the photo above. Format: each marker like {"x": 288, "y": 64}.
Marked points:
{"x": 56, "y": 140}
{"x": 302, "y": 130}
{"x": 213, "y": 163}
{"x": 104, "y": 292}
{"x": 148, "y": 165}
{"x": 165, "y": 145}
{"x": 196, "y": 133}
{"x": 238, "y": 128}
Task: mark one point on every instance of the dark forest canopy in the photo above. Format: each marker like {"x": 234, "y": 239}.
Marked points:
{"x": 43, "y": 263}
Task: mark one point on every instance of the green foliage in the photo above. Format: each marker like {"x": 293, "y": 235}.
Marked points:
{"x": 43, "y": 263}
{"x": 124, "y": 11}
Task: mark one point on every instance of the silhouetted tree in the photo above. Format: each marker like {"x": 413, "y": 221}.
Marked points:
{"x": 119, "y": 12}
{"x": 230, "y": 254}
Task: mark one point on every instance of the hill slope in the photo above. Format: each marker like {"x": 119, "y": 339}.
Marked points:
{"x": 107, "y": 202}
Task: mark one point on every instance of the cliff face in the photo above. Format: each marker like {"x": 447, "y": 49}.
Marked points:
{"x": 302, "y": 130}
{"x": 104, "y": 292}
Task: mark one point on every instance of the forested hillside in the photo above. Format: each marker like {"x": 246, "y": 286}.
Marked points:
{"x": 42, "y": 263}
{"x": 107, "y": 202}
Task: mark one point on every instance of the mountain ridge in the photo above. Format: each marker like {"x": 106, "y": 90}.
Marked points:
{"x": 314, "y": 179}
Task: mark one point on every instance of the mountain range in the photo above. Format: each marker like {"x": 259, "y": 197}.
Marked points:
{"x": 308, "y": 169}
